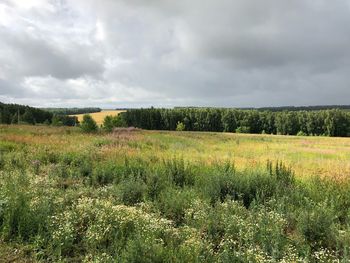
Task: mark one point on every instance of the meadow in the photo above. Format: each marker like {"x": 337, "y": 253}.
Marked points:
{"x": 99, "y": 116}
{"x": 166, "y": 196}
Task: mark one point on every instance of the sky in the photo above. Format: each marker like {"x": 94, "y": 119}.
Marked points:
{"x": 165, "y": 53}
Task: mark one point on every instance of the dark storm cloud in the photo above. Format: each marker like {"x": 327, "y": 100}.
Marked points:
{"x": 166, "y": 53}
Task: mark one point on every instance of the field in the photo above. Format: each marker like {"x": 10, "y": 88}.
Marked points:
{"x": 99, "y": 116}
{"x": 152, "y": 196}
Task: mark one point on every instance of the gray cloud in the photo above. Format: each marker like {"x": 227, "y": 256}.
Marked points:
{"x": 167, "y": 53}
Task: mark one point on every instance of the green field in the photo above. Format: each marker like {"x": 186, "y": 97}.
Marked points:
{"x": 151, "y": 196}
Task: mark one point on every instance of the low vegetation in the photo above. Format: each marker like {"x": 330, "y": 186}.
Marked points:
{"x": 168, "y": 197}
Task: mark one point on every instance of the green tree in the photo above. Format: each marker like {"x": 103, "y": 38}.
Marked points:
{"x": 88, "y": 124}
{"x": 56, "y": 121}
{"x": 28, "y": 117}
{"x": 5, "y": 116}
{"x": 180, "y": 126}
{"x": 229, "y": 121}
{"x": 108, "y": 123}
{"x": 16, "y": 118}
{"x": 119, "y": 121}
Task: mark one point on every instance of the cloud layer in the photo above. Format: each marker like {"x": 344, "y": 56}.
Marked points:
{"x": 132, "y": 53}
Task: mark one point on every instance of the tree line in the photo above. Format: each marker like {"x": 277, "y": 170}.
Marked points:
{"x": 21, "y": 114}
{"x": 332, "y": 122}
{"x": 72, "y": 111}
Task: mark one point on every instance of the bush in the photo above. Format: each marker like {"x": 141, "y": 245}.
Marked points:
{"x": 224, "y": 183}
{"x": 132, "y": 191}
{"x": 180, "y": 173}
{"x": 88, "y": 124}
{"x": 106, "y": 173}
{"x": 173, "y": 204}
{"x": 111, "y": 122}
{"x": 243, "y": 129}
{"x": 301, "y": 133}
{"x": 180, "y": 126}
{"x": 156, "y": 183}
{"x": 317, "y": 224}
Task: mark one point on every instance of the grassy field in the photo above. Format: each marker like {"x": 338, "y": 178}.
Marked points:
{"x": 99, "y": 116}
{"x": 151, "y": 196}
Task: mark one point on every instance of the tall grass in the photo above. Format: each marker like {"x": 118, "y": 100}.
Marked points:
{"x": 73, "y": 206}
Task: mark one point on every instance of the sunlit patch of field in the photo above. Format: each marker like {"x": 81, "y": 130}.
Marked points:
{"x": 99, "y": 116}
{"x": 151, "y": 184}
{"x": 321, "y": 156}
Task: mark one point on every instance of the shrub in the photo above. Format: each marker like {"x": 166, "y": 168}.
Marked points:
{"x": 132, "y": 191}
{"x": 173, "y": 204}
{"x": 156, "y": 183}
{"x": 180, "y": 126}
{"x": 88, "y": 124}
{"x": 180, "y": 173}
{"x": 317, "y": 224}
{"x": 24, "y": 213}
{"x": 106, "y": 173}
{"x": 301, "y": 133}
{"x": 243, "y": 129}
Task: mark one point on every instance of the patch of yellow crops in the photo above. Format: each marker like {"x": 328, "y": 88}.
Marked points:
{"x": 99, "y": 116}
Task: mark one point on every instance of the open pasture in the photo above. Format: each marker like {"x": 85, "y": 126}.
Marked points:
{"x": 309, "y": 156}
{"x": 160, "y": 196}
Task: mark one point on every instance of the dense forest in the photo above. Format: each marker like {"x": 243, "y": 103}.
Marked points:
{"x": 20, "y": 114}
{"x": 330, "y": 122}
{"x": 283, "y": 108}
{"x": 71, "y": 111}
{"x": 333, "y": 122}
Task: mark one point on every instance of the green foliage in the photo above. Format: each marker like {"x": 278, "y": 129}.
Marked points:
{"x": 88, "y": 124}
{"x": 106, "y": 173}
{"x": 87, "y": 206}
{"x": 180, "y": 126}
{"x": 20, "y": 114}
{"x": 71, "y": 111}
{"x": 179, "y": 173}
{"x": 111, "y": 122}
{"x": 301, "y": 133}
{"x": 63, "y": 120}
{"x": 108, "y": 123}
{"x": 56, "y": 121}
{"x": 243, "y": 129}
{"x": 132, "y": 191}
{"x": 173, "y": 204}
{"x": 331, "y": 122}
{"x": 28, "y": 117}
{"x": 14, "y": 113}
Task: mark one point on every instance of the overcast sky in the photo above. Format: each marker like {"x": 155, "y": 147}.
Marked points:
{"x": 132, "y": 53}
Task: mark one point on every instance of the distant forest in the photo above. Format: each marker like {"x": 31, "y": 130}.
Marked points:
{"x": 20, "y": 114}
{"x": 282, "y": 108}
{"x": 331, "y": 122}
{"x": 71, "y": 111}
{"x": 314, "y": 120}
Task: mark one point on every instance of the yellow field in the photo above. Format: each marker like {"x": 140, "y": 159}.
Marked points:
{"x": 321, "y": 156}
{"x": 99, "y": 116}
